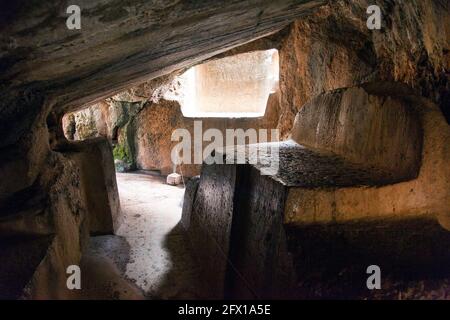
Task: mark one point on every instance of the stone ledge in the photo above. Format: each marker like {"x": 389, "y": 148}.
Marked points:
{"x": 376, "y": 131}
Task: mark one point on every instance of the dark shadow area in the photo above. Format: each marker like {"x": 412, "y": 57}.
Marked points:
{"x": 19, "y": 257}
{"x": 331, "y": 260}
{"x": 183, "y": 279}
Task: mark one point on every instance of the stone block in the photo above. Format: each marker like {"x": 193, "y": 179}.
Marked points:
{"x": 376, "y": 132}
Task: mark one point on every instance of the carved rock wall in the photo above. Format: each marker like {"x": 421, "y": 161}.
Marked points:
{"x": 334, "y": 49}
{"x": 155, "y": 124}
{"x": 377, "y": 131}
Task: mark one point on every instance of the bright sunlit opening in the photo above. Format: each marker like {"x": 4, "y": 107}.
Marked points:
{"x": 232, "y": 87}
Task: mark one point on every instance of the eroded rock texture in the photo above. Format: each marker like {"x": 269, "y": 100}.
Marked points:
{"x": 379, "y": 132}
{"x": 426, "y": 195}
{"x": 98, "y": 184}
{"x": 350, "y": 90}
{"x": 142, "y": 131}
{"x": 48, "y": 70}
{"x": 334, "y": 48}
{"x": 276, "y": 240}
{"x": 43, "y": 230}
{"x": 155, "y": 124}
{"x": 123, "y": 44}
{"x": 307, "y": 232}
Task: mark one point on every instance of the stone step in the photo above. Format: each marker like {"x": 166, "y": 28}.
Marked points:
{"x": 298, "y": 166}
{"x": 349, "y": 137}
{"x": 345, "y": 138}
{"x": 234, "y": 218}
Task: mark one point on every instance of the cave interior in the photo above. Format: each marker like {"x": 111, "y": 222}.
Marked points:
{"x": 359, "y": 119}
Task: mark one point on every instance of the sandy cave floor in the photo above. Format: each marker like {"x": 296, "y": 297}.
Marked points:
{"x": 148, "y": 258}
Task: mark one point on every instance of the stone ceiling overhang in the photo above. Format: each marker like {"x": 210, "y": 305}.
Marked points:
{"x": 122, "y": 43}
